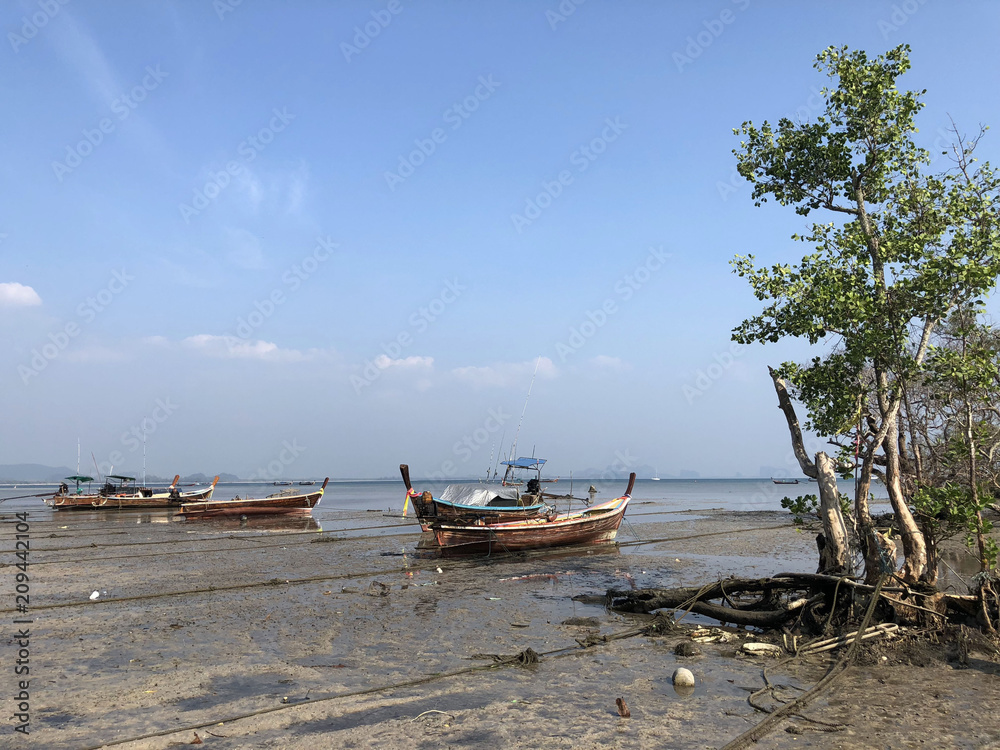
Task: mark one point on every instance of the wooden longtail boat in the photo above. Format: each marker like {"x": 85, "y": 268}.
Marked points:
{"x": 116, "y": 490}
{"x": 170, "y": 499}
{"x": 593, "y": 525}
{"x": 490, "y": 503}
{"x": 290, "y": 502}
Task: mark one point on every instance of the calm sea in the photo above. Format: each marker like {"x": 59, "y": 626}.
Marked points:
{"x": 388, "y": 496}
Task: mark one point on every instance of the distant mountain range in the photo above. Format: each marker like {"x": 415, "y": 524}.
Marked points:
{"x": 15, "y": 473}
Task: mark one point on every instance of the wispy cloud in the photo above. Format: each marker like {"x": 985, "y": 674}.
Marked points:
{"x": 609, "y": 364}
{"x": 244, "y": 249}
{"x": 13, "y": 294}
{"x": 231, "y": 347}
{"x": 97, "y": 353}
{"x": 384, "y": 362}
{"x": 505, "y": 374}
{"x": 81, "y": 53}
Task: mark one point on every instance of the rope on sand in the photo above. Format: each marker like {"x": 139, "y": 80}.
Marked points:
{"x": 791, "y": 709}
{"x": 528, "y": 657}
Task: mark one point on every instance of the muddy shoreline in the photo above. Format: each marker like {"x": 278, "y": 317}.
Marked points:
{"x": 328, "y": 632}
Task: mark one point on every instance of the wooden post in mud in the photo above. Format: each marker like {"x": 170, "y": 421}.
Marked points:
{"x": 834, "y": 551}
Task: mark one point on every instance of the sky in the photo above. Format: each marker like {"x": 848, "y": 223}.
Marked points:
{"x": 322, "y": 239}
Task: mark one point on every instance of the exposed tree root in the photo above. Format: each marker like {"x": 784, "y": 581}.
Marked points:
{"x": 811, "y": 603}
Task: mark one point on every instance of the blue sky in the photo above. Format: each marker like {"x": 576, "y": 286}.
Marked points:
{"x": 327, "y": 238}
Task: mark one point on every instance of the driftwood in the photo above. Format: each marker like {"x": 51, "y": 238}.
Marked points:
{"x": 766, "y": 612}
{"x": 834, "y": 548}
{"x": 810, "y": 597}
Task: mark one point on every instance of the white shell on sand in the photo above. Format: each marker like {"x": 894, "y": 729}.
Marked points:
{"x": 683, "y": 677}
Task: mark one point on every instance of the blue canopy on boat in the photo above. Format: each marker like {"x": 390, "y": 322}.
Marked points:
{"x": 525, "y": 463}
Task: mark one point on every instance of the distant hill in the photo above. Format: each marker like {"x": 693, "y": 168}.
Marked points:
{"x": 11, "y": 473}
{"x": 200, "y": 478}
{"x": 16, "y": 473}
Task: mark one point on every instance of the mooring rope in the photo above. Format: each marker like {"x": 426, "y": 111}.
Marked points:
{"x": 527, "y": 657}
{"x": 836, "y": 670}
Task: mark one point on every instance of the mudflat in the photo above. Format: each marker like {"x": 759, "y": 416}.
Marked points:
{"x": 285, "y": 636}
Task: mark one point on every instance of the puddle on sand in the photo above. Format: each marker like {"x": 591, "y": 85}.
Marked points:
{"x": 220, "y": 691}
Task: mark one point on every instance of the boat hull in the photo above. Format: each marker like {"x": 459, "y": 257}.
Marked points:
{"x": 429, "y": 509}
{"x": 280, "y": 504}
{"x": 595, "y": 525}
{"x": 131, "y": 500}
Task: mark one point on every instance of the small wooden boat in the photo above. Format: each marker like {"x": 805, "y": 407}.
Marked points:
{"x": 466, "y": 503}
{"x": 785, "y": 481}
{"x": 144, "y": 499}
{"x": 291, "y": 502}
{"x": 70, "y": 498}
{"x": 119, "y": 491}
{"x": 593, "y": 525}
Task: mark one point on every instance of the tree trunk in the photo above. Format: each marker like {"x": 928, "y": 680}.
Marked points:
{"x": 785, "y": 404}
{"x": 835, "y": 556}
{"x": 914, "y": 547}
{"x": 870, "y": 546}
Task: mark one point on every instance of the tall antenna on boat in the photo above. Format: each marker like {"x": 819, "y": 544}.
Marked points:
{"x": 78, "y": 456}
{"x": 513, "y": 447}
{"x": 490, "y": 464}
{"x": 144, "y": 453}
{"x": 496, "y": 466}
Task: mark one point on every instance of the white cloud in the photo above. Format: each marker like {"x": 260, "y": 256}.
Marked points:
{"x": 13, "y": 294}
{"x": 383, "y": 362}
{"x": 231, "y": 347}
{"x": 611, "y": 364}
{"x": 505, "y": 374}
{"x": 97, "y": 353}
{"x": 252, "y": 188}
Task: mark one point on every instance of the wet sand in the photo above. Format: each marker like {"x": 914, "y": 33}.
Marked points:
{"x": 327, "y": 632}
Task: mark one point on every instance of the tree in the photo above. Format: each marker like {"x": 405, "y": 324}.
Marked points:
{"x": 906, "y": 249}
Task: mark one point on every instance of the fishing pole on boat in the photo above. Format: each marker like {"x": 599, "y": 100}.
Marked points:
{"x": 21, "y": 497}
{"x": 496, "y": 466}
{"x": 513, "y": 447}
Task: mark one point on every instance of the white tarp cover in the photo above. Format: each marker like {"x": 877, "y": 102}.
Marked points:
{"x": 478, "y": 495}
